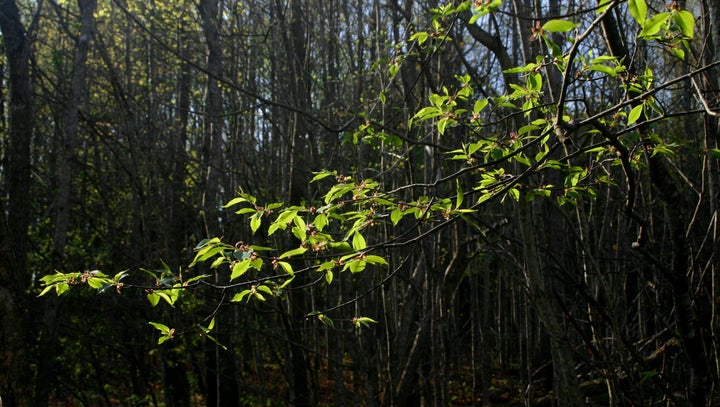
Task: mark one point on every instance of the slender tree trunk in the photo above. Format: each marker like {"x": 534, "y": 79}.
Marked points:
{"x": 410, "y": 339}
{"x": 212, "y": 147}
{"x": 174, "y": 372}
{"x": 298, "y": 361}
{"x": 690, "y": 325}
{"x": 47, "y": 346}
{"x": 222, "y": 384}
{"x": 712, "y": 141}
{"x": 15, "y": 376}
{"x": 565, "y": 381}
{"x": 176, "y": 186}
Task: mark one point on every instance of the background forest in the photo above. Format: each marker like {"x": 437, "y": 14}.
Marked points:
{"x": 324, "y": 202}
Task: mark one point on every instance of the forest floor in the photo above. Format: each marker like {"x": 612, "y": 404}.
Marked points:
{"x": 503, "y": 390}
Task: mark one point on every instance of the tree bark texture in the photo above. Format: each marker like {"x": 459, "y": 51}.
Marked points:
{"x": 15, "y": 377}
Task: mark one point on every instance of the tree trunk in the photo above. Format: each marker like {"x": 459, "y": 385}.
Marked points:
{"x": 565, "y": 381}
{"x": 15, "y": 376}
{"x": 212, "y": 154}
{"x": 222, "y": 384}
{"x": 48, "y": 342}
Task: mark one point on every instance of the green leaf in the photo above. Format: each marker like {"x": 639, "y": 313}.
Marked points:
{"x": 559, "y": 26}
{"x": 441, "y": 125}
{"x": 235, "y": 201}
{"x": 652, "y": 104}
{"x": 210, "y": 326}
{"x": 634, "y": 114}
{"x": 153, "y": 298}
{"x": 61, "y": 288}
{"x": 356, "y": 266}
{"x": 328, "y": 265}
{"x": 58, "y": 276}
{"x": 540, "y": 155}
{"x": 274, "y": 227}
{"x": 286, "y": 283}
{"x": 480, "y": 9}
{"x": 686, "y": 21}
{"x": 168, "y": 295}
{"x": 258, "y": 248}
{"x": 358, "y": 241}
{"x": 638, "y": 9}
{"x": 479, "y": 105}
{"x": 240, "y": 296}
{"x": 497, "y": 154}
{"x": 208, "y": 251}
{"x": 196, "y": 278}
{"x": 428, "y": 113}
{"x": 325, "y": 320}
{"x": 286, "y": 267}
{"x": 602, "y": 68}
{"x": 363, "y": 321}
{"x": 437, "y": 99}
{"x": 603, "y": 58}
{"x": 526, "y": 129}
{"x": 678, "y": 53}
{"x": 373, "y": 259}
{"x": 342, "y": 246}
{"x": 322, "y": 174}
{"x": 46, "y": 289}
{"x": 519, "y": 69}
{"x": 459, "y": 195}
{"x": 294, "y": 252}
{"x": 393, "y": 69}
{"x": 555, "y": 50}
{"x": 337, "y": 191}
{"x": 164, "y": 329}
{"x": 534, "y": 81}
{"x": 329, "y": 276}
{"x": 654, "y": 24}
{"x": 220, "y": 260}
{"x": 240, "y": 268}
{"x": 347, "y": 257}
{"x": 285, "y": 218}
{"x": 300, "y": 229}
{"x": 95, "y": 282}
{"x": 119, "y": 276}
{"x": 207, "y": 242}
{"x": 420, "y": 37}
{"x": 522, "y": 159}
{"x": 320, "y": 222}
{"x": 396, "y": 215}
{"x": 255, "y": 222}
{"x": 484, "y": 197}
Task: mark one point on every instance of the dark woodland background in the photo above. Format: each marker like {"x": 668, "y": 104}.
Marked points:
{"x": 126, "y": 125}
